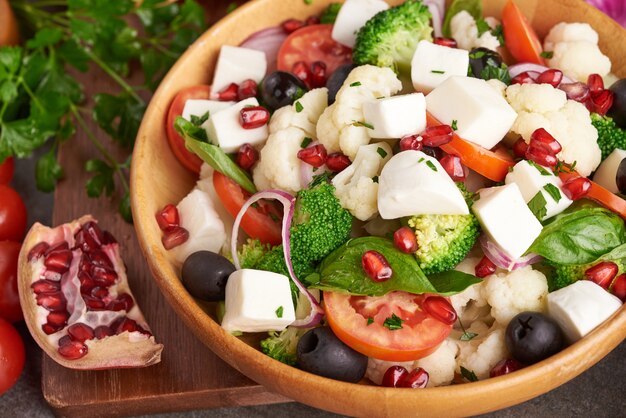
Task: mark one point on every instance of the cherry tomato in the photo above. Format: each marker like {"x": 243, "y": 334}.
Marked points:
{"x": 262, "y": 222}
{"x": 9, "y": 298}
{"x": 519, "y": 37}
{"x": 12, "y": 356}
{"x": 12, "y": 214}
{"x": 177, "y": 143}
{"x": 7, "y": 167}
{"x": 420, "y": 335}
{"x": 313, "y": 43}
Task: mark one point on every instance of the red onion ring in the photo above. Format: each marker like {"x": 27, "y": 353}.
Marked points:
{"x": 498, "y": 257}
{"x": 437, "y": 17}
{"x": 269, "y": 41}
{"x": 516, "y": 69}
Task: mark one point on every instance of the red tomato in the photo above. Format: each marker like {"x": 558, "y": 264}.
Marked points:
{"x": 177, "y": 143}
{"x": 313, "y": 43}
{"x": 12, "y": 356}
{"x": 9, "y": 298}
{"x": 262, "y": 222}
{"x": 12, "y": 214}
{"x": 519, "y": 37}
{"x": 6, "y": 170}
{"x": 419, "y": 336}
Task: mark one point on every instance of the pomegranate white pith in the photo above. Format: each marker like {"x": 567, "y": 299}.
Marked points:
{"x": 76, "y": 300}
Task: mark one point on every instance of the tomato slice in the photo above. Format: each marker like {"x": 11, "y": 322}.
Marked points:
{"x": 313, "y": 43}
{"x": 601, "y": 195}
{"x": 519, "y": 36}
{"x": 420, "y": 335}
{"x": 262, "y": 222}
{"x": 177, "y": 142}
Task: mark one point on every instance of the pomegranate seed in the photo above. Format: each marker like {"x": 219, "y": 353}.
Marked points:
{"x": 505, "y": 366}
{"x": 247, "y": 89}
{"x": 80, "y": 332}
{"x": 436, "y": 136}
{"x": 94, "y": 304}
{"x": 50, "y": 329}
{"x": 99, "y": 258}
{"x": 541, "y": 155}
{"x": 86, "y": 282}
{"x": 576, "y": 188}
{"x": 126, "y": 324}
{"x": 393, "y": 376}
{"x": 404, "y": 240}
{"x": 520, "y": 147}
{"x": 291, "y": 25}
{"x": 454, "y": 167}
{"x": 595, "y": 83}
{"x": 314, "y": 155}
{"x": 228, "y": 93}
{"x": 58, "y": 318}
{"x": 94, "y": 231}
{"x": 619, "y": 287}
{"x": 124, "y": 302}
{"x": 337, "y": 162}
{"x": 376, "y": 266}
{"x": 602, "y": 273}
{"x": 485, "y": 267}
{"x": 302, "y": 71}
{"x": 99, "y": 292}
{"x": 247, "y": 156}
{"x": 552, "y": 77}
{"x": 102, "y": 332}
{"x": 415, "y": 379}
{"x": 72, "y": 350}
{"x": 52, "y": 301}
{"x": 108, "y": 238}
{"x": 253, "y": 117}
{"x": 449, "y": 42}
{"x": 58, "y": 261}
{"x": 576, "y": 91}
{"x": 52, "y": 275}
{"x": 318, "y": 74}
{"x": 411, "y": 142}
{"x": 440, "y": 308}
{"x": 541, "y": 137}
{"x": 174, "y": 237}
{"x": 45, "y": 286}
{"x": 527, "y": 77}
{"x": 601, "y": 102}
{"x": 312, "y": 20}
{"x": 85, "y": 242}
{"x": 38, "y": 250}
{"x": 105, "y": 277}
{"x": 168, "y": 217}
{"x": 62, "y": 246}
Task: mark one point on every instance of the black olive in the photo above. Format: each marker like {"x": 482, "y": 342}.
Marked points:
{"x": 620, "y": 176}
{"x": 482, "y": 58}
{"x": 280, "y": 89}
{"x": 320, "y": 352}
{"x": 205, "y": 274}
{"x": 618, "y": 108}
{"x": 336, "y": 79}
{"x": 532, "y": 337}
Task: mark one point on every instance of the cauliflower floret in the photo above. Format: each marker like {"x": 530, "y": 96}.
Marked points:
{"x": 441, "y": 364}
{"x": 376, "y": 368}
{"x": 543, "y": 106}
{"x": 483, "y": 352}
{"x": 465, "y": 32}
{"x": 355, "y": 187}
{"x": 575, "y": 51}
{"x": 514, "y": 292}
{"x": 311, "y": 106}
{"x": 470, "y": 305}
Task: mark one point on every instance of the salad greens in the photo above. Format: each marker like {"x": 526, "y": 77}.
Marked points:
{"x": 473, "y": 7}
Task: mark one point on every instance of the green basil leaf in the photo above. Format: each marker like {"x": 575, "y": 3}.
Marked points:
{"x": 451, "y": 282}
{"x": 473, "y": 7}
{"x": 537, "y": 205}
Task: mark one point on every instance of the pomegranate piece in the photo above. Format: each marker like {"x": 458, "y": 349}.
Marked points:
{"x": 291, "y": 25}
{"x": 80, "y": 332}
{"x": 228, "y": 93}
{"x": 246, "y": 89}
{"x": 527, "y": 77}
{"x": 435, "y": 136}
{"x": 98, "y": 258}
{"x": 619, "y": 287}
{"x": 168, "y": 217}
{"x": 337, "y": 162}
{"x": 314, "y": 155}
{"x": 542, "y": 138}
{"x": 520, "y": 147}
{"x": 50, "y": 329}
{"x": 602, "y": 273}
{"x": 318, "y": 74}
{"x": 52, "y": 275}
{"x": 302, "y": 71}
{"x": 125, "y": 325}
{"x": 124, "y": 302}
{"x": 440, "y": 308}
{"x": 411, "y": 142}
{"x": 253, "y": 117}
{"x": 174, "y": 237}
{"x": 454, "y": 167}
{"x": 415, "y": 379}
{"x": 551, "y": 76}
{"x": 393, "y": 376}
{"x": 505, "y": 366}
{"x": 376, "y": 266}
{"x": 576, "y": 188}
{"x": 58, "y": 260}
{"x": 38, "y": 250}
{"x": 51, "y": 301}
{"x": 104, "y": 276}
{"x": 600, "y": 102}
{"x": 404, "y": 239}
{"x": 247, "y": 156}
{"x": 72, "y": 350}
{"x": 595, "y": 83}
{"x": 449, "y": 42}
{"x": 485, "y": 267}
{"x": 58, "y": 319}
{"x": 45, "y": 286}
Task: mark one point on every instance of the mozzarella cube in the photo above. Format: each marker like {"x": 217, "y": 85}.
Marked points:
{"x": 394, "y": 117}
{"x": 433, "y": 64}
{"x": 581, "y": 307}
{"x": 224, "y": 128}
{"x": 532, "y": 179}
{"x": 504, "y": 216}
{"x": 257, "y": 301}
{"x": 352, "y": 16}
{"x": 413, "y": 183}
{"x": 482, "y": 115}
{"x": 606, "y": 174}
{"x": 200, "y": 108}
{"x": 236, "y": 64}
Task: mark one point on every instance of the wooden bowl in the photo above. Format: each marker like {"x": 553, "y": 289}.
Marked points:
{"x": 158, "y": 179}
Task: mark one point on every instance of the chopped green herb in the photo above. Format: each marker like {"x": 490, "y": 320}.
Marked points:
{"x": 563, "y": 168}
{"x": 468, "y": 336}
{"x": 553, "y": 191}
{"x": 199, "y": 120}
{"x": 469, "y": 374}
{"x": 420, "y": 160}
{"x": 547, "y": 54}
{"x": 355, "y": 84}
{"x": 437, "y": 71}
{"x": 454, "y": 125}
{"x": 393, "y": 323}
{"x": 370, "y": 320}
{"x": 279, "y": 312}
{"x": 537, "y": 205}
{"x": 375, "y": 179}
{"x": 299, "y": 107}
{"x": 381, "y": 152}
{"x": 477, "y": 54}
{"x": 539, "y": 168}
{"x": 255, "y": 205}
{"x": 305, "y": 142}
{"x": 498, "y": 32}
{"x": 482, "y": 27}
{"x": 431, "y": 165}
{"x": 364, "y": 124}
{"x": 501, "y": 73}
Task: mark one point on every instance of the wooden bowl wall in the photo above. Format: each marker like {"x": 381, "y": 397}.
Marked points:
{"x": 157, "y": 179}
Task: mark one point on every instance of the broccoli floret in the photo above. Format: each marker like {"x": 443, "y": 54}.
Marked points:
{"x": 282, "y": 345}
{"x": 610, "y": 136}
{"x": 390, "y": 38}
{"x": 252, "y": 252}
{"x": 329, "y": 15}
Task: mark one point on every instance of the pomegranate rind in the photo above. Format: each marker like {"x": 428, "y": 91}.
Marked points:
{"x": 125, "y": 350}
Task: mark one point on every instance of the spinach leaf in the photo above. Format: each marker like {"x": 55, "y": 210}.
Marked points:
{"x": 473, "y": 7}
{"x": 451, "y": 282}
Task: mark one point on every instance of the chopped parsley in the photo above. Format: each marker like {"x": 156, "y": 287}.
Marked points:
{"x": 420, "y": 160}
{"x": 370, "y": 320}
{"x": 199, "y": 120}
{"x": 305, "y": 142}
{"x": 498, "y": 32}
{"x": 537, "y": 205}
{"x": 355, "y": 84}
{"x": 547, "y": 54}
{"x": 381, "y": 152}
{"x": 364, "y": 124}
{"x": 279, "y": 312}
{"x": 437, "y": 71}
{"x": 563, "y": 168}
{"x": 553, "y": 191}
{"x": 299, "y": 107}
{"x": 375, "y": 179}
{"x": 431, "y": 165}
{"x": 477, "y": 54}
{"x": 501, "y": 73}
{"x": 454, "y": 125}
{"x": 469, "y": 374}
{"x": 539, "y": 168}
{"x": 482, "y": 27}
{"x": 393, "y": 323}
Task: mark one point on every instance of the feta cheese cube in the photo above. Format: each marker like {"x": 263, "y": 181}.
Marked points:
{"x": 224, "y": 128}
{"x": 257, "y": 301}
{"x": 236, "y": 64}
{"x": 433, "y": 64}
{"x": 606, "y": 174}
{"x": 532, "y": 179}
{"x": 352, "y": 16}
{"x": 482, "y": 115}
{"x": 394, "y": 117}
{"x": 581, "y": 307}
{"x": 199, "y": 108}
{"x": 504, "y": 216}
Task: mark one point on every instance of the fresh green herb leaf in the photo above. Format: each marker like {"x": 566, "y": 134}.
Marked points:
{"x": 468, "y": 336}
{"x": 355, "y": 84}
{"x": 102, "y": 182}
{"x": 124, "y": 208}
{"x": 451, "y": 282}
{"x": 482, "y": 27}
{"x": 199, "y": 120}
{"x": 370, "y": 320}
{"x": 381, "y": 152}
{"x": 431, "y": 165}
{"x": 421, "y": 159}
{"x": 375, "y": 179}
{"x": 539, "y": 168}
{"x": 393, "y": 323}
{"x": 329, "y": 15}
{"x": 498, "y": 32}
{"x": 364, "y": 124}
{"x": 547, "y": 54}
{"x": 469, "y": 374}
{"x": 477, "y": 54}
{"x": 437, "y": 71}
{"x": 119, "y": 116}
{"x": 493, "y": 72}
{"x": 299, "y": 107}
{"x": 537, "y": 205}
{"x": 473, "y": 7}
{"x": 305, "y": 142}
{"x": 279, "y": 312}
{"x": 454, "y": 125}
{"x": 553, "y": 191}
{"x": 48, "y": 171}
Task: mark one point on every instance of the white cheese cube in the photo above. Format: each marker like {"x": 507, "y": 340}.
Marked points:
{"x": 199, "y": 108}
{"x": 394, "y": 117}
{"x": 581, "y": 307}
{"x": 236, "y": 64}
{"x": 433, "y": 64}
{"x": 532, "y": 179}
{"x": 504, "y": 216}
{"x": 606, "y": 174}
{"x": 482, "y": 115}
{"x": 224, "y": 128}
{"x": 412, "y": 183}
{"x": 352, "y": 16}
{"x": 257, "y": 301}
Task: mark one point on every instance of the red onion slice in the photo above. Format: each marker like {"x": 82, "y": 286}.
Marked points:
{"x": 501, "y": 259}
{"x": 269, "y": 41}
{"x": 437, "y": 17}
{"x": 528, "y": 66}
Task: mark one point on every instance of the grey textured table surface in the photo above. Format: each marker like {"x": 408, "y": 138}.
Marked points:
{"x": 599, "y": 392}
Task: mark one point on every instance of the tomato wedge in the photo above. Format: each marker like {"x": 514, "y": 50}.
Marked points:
{"x": 420, "y": 333}
{"x": 519, "y": 36}
{"x": 177, "y": 142}
{"x": 601, "y": 195}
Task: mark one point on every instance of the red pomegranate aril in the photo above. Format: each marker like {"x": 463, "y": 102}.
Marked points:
{"x": 576, "y": 188}
{"x": 505, "y": 366}
{"x": 454, "y": 167}
{"x": 125, "y": 324}
{"x": 302, "y": 71}
{"x": 411, "y": 142}
{"x": 50, "y": 329}
{"x": 318, "y": 74}
{"x": 94, "y": 231}
{"x": 602, "y": 273}
{"x": 127, "y": 300}
{"x": 247, "y": 156}
{"x": 520, "y": 147}
{"x": 104, "y": 276}
{"x": 440, "y": 308}
{"x": 551, "y": 76}
{"x": 541, "y": 155}
{"x": 168, "y": 217}
{"x": 246, "y": 89}
{"x": 312, "y": 20}
{"x": 99, "y": 258}
{"x": 52, "y": 275}
{"x": 108, "y": 238}
{"x": 575, "y": 91}
{"x": 527, "y": 77}
{"x": 45, "y": 286}
{"x": 80, "y": 332}
{"x": 291, "y": 25}
{"x": 94, "y": 304}
{"x": 543, "y": 138}
{"x": 449, "y": 42}
{"x": 337, "y": 162}
{"x": 485, "y": 267}
{"x": 376, "y": 266}
{"x": 58, "y": 261}
{"x": 415, "y": 379}
{"x": 52, "y": 301}
{"x": 85, "y": 242}
{"x": 393, "y": 376}
{"x": 404, "y": 240}
{"x": 595, "y": 83}
{"x": 62, "y": 246}
{"x": 58, "y": 319}
{"x": 174, "y": 237}
{"x": 314, "y": 155}
{"x": 38, "y": 250}
{"x": 102, "y": 332}
{"x": 228, "y": 93}
{"x": 99, "y": 292}
{"x": 253, "y": 117}
{"x": 601, "y": 102}
{"x": 436, "y": 136}
{"x": 619, "y": 287}
{"x": 72, "y": 350}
